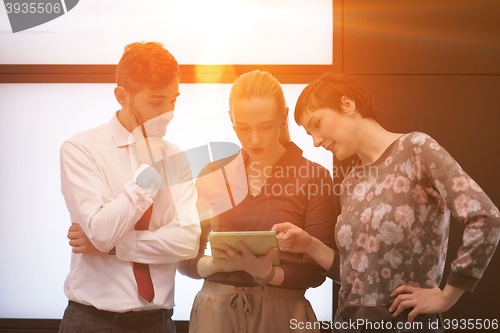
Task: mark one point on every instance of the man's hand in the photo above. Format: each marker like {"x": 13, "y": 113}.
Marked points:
{"x": 424, "y": 301}
{"x": 80, "y": 242}
{"x": 292, "y": 238}
{"x": 258, "y": 267}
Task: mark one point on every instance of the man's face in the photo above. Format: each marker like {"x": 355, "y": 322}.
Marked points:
{"x": 154, "y": 108}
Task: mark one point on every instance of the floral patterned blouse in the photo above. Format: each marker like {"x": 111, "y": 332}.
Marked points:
{"x": 393, "y": 228}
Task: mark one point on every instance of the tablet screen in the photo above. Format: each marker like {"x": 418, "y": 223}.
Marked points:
{"x": 258, "y": 242}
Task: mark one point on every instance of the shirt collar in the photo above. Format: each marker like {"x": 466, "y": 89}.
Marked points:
{"x": 120, "y": 134}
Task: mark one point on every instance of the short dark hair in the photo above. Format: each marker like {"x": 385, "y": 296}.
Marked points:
{"x": 146, "y": 65}
{"x": 327, "y": 92}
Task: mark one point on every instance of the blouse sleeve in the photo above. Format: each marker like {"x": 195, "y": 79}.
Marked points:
{"x": 190, "y": 267}
{"x": 320, "y": 223}
{"x": 467, "y": 203}
{"x": 334, "y": 271}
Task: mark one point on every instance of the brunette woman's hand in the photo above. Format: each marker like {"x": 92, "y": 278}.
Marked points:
{"x": 424, "y": 301}
{"x": 292, "y": 238}
{"x": 259, "y": 267}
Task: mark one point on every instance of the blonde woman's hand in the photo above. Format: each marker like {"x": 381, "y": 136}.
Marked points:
{"x": 206, "y": 267}
{"x": 258, "y": 267}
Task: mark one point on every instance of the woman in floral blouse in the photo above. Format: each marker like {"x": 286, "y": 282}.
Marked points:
{"x": 392, "y": 233}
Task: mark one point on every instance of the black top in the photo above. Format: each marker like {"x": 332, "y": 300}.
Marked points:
{"x": 298, "y": 191}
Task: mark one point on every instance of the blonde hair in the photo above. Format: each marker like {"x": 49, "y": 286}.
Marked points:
{"x": 261, "y": 84}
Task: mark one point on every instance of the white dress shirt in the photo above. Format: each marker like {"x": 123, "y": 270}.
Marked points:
{"x": 97, "y": 177}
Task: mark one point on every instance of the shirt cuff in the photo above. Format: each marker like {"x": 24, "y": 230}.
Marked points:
{"x": 334, "y": 270}
{"x": 462, "y": 281}
{"x": 127, "y": 246}
{"x": 147, "y": 177}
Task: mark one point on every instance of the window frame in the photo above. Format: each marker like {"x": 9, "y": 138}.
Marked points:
{"x": 191, "y": 73}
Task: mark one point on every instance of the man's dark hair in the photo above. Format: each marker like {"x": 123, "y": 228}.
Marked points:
{"x": 146, "y": 65}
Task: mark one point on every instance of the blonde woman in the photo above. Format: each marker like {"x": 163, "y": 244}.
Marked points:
{"x": 254, "y": 296}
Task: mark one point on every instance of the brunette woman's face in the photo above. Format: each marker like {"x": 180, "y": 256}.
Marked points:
{"x": 257, "y": 122}
{"x": 332, "y": 130}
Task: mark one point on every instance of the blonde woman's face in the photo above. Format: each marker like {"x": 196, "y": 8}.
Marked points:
{"x": 257, "y": 122}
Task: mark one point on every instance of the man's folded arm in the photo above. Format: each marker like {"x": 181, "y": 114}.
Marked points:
{"x": 91, "y": 202}
{"x": 179, "y": 238}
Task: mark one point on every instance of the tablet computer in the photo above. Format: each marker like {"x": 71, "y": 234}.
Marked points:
{"x": 258, "y": 242}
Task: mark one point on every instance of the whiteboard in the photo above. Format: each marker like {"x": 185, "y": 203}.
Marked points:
{"x": 194, "y": 31}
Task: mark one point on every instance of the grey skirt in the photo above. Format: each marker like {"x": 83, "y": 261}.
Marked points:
{"x": 221, "y": 308}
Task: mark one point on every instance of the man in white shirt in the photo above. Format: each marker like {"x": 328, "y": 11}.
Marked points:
{"x": 125, "y": 248}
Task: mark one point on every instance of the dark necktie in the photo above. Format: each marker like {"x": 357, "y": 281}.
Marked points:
{"x": 141, "y": 271}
